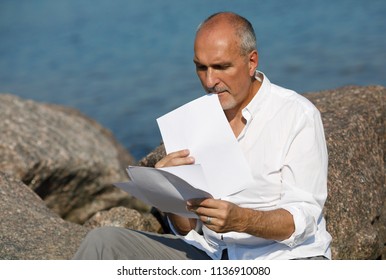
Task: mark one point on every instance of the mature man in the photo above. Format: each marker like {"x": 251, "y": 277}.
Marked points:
{"x": 279, "y": 216}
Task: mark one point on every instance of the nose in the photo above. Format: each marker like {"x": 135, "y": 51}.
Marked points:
{"x": 211, "y": 79}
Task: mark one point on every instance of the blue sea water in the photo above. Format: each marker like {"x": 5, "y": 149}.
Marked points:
{"x": 127, "y": 62}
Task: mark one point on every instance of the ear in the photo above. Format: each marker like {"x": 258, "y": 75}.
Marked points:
{"x": 253, "y": 62}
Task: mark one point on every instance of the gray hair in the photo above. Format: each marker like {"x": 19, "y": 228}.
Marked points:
{"x": 243, "y": 28}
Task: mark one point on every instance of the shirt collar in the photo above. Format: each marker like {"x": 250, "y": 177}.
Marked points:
{"x": 255, "y": 104}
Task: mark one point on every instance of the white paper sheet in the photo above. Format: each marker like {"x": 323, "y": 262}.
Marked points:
{"x": 201, "y": 127}
{"x": 165, "y": 191}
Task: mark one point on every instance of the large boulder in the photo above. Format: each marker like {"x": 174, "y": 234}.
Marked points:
{"x": 69, "y": 160}
{"x": 29, "y": 230}
{"x": 355, "y": 131}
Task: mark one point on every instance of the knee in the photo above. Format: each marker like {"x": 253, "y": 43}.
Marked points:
{"x": 97, "y": 243}
{"x": 102, "y": 234}
{"x": 103, "y": 237}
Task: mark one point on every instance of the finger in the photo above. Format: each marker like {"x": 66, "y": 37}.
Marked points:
{"x": 203, "y": 207}
{"x": 175, "y": 158}
{"x": 204, "y": 212}
{"x": 203, "y": 202}
{"x": 208, "y": 220}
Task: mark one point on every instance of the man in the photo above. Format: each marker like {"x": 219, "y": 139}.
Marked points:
{"x": 279, "y": 216}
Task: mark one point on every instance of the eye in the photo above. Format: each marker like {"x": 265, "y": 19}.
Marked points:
{"x": 221, "y": 66}
{"x": 200, "y": 67}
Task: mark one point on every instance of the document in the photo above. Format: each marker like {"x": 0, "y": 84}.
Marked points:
{"x": 220, "y": 167}
{"x": 164, "y": 190}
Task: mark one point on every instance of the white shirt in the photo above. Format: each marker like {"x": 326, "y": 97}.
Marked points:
{"x": 284, "y": 144}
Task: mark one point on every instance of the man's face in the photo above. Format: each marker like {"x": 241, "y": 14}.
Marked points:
{"x": 222, "y": 69}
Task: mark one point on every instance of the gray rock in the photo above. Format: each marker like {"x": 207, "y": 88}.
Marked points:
{"x": 153, "y": 157}
{"x": 67, "y": 159}
{"x": 124, "y": 217}
{"x": 29, "y": 230}
{"x": 123, "y": 156}
{"x": 355, "y": 209}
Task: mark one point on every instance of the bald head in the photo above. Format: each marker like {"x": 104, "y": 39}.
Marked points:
{"x": 242, "y": 28}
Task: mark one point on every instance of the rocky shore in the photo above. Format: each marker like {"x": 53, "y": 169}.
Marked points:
{"x": 57, "y": 168}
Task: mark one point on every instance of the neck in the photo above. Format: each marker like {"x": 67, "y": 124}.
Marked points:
{"x": 235, "y": 116}
{"x": 237, "y": 123}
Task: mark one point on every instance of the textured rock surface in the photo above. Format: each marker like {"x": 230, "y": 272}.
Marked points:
{"x": 152, "y": 158}
{"x": 68, "y": 160}
{"x": 123, "y": 156}
{"x": 29, "y": 230}
{"x": 124, "y": 217}
{"x": 354, "y": 126}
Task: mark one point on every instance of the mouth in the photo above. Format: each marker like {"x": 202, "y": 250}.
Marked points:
{"x": 218, "y": 92}
{"x": 221, "y": 93}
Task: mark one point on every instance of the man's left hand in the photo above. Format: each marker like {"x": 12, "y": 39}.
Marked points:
{"x": 218, "y": 215}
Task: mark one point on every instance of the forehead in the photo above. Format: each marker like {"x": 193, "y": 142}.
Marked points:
{"x": 216, "y": 45}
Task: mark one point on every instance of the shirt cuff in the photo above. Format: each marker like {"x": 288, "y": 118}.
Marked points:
{"x": 305, "y": 226}
{"x": 198, "y": 227}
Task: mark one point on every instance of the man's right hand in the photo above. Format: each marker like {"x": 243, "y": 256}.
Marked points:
{"x": 176, "y": 158}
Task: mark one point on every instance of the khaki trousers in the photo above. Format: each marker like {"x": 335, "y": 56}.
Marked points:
{"x": 115, "y": 243}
